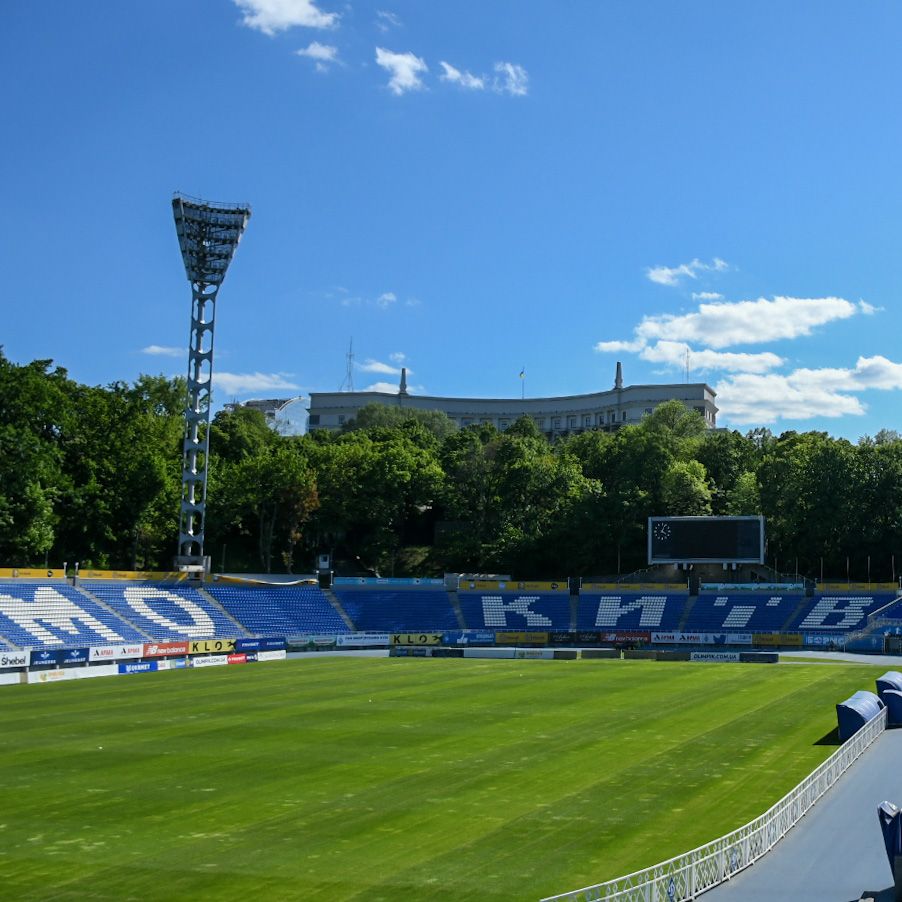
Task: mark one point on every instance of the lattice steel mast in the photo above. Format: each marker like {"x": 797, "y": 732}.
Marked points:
{"x": 208, "y": 234}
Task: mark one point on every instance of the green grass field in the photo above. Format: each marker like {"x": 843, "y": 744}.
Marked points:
{"x": 394, "y": 779}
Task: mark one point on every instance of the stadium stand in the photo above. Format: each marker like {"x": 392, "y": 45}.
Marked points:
{"x": 408, "y": 610}
{"x": 747, "y": 612}
{"x": 631, "y": 611}
{"x": 166, "y": 612}
{"x": 282, "y": 611}
{"x": 40, "y": 616}
{"x": 839, "y": 612}
{"x": 515, "y": 610}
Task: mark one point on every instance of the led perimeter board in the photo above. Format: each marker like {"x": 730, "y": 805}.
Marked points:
{"x": 706, "y": 540}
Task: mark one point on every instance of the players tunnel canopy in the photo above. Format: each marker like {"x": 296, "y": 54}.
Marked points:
{"x": 855, "y": 712}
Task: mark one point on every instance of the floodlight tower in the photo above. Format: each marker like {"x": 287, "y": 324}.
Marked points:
{"x": 208, "y": 234}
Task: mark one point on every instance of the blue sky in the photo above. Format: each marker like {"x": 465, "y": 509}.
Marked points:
{"x": 467, "y": 189}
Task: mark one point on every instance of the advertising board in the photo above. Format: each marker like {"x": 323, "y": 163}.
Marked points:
{"x": 416, "y": 638}
{"x": 363, "y": 640}
{"x": 74, "y": 656}
{"x": 116, "y": 652}
{"x": 45, "y": 657}
{"x": 164, "y": 649}
{"x": 237, "y": 658}
{"x": 824, "y": 640}
{"x": 489, "y": 652}
{"x": 468, "y": 637}
{"x": 535, "y": 654}
{"x": 11, "y": 679}
{"x": 210, "y": 661}
{"x": 14, "y": 659}
{"x": 271, "y": 644}
{"x": 138, "y": 667}
{"x": 172, "y": 663}
{"x": 205, "y": 646}
{"x": 272, "y": 655}
{"x": 50, "y": 676}
{"x": 624, "y": 636}
{"x": 675, "y": 637}
{"x": 773, "y": 640}
{"x": 731, "y": 657}
{"x": 520, "y": 638}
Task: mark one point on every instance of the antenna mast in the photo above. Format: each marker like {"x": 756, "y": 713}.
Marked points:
{"x": 348, "y": 384}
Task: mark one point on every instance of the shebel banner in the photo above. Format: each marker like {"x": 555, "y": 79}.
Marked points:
{"x": 164, "y": 649}
{"x": 116, "y": 652}
{"x": 624, "y": 636}
{"x": 204, "y": 646}
{"x": 137, "y": 667}
{"x": 273, "y": 644}
{"x": 14, "y": 659}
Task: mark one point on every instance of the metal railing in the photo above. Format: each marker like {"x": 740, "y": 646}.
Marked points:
{"x": 690, "y": 874}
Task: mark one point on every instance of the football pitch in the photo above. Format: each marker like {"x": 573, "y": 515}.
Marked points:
{"x": 395, "y": 778}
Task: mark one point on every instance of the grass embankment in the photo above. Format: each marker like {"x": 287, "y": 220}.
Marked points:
{"x": 394, "y": 779}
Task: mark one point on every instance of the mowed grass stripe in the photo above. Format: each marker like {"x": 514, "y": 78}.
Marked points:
{"x": 395, "y": 778}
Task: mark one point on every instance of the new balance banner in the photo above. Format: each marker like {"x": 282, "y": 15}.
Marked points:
{"x": 138, "y": 667}
{"x": 116, "y": 652}
{"x": 416, "y": 638}
{"x": 164, "y": 649}
{"x": 624, "y": 636}
{"x": 259, "y": 644}
{"x": 203, "y": 646}
{"x": 14, "y": 659}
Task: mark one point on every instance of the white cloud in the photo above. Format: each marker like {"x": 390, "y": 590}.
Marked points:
{"x": 405, "y": 70}
{"x": 161, "y": 351}
{"x": 386, "y": 369}
{"x": 671, "y": 275}
{"x": 386, "y": 299}
{"x": 273, "y": 16}
{"x": 464, "y": 79}
{"x": 386, "y": 21}
{"x": 673, "y": 353}
{"x": 727, "y": 323}
{"x": 511, "y": 78}
{"x": 388, "y": 387}
{"x": 868, "y": 309}
{"x": 706, "y": 296}
{"x": 398, "y": 357}
{"x": 749, "y": 398}
{"x": 613, "y": 347}
{"x": 323, "y": 55}
{"x": 241, "y": 383}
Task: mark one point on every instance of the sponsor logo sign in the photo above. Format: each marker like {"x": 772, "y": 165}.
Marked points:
{"x": 772, "y": 640}
{"x": 116, "y": 652}
{"x": 624, "y": 636}
{"x": 50, "y": 676}
{"x": 14, "y": 659}
{"x": 237, "y": 659}
{"x": 164, "y": 649}
{"x": 261, "y": 644}
{"x": 469, "y": 637}
{"x": 520, "y": 638}
{"x": 205, "y": 646}
{"x": 824, "y": 639}
{"x": 534, "y": 653}
{"x": 716, "y": 656}
{"x": 678, "y": 638}
{"x": 416, "y": 638}
{"x": 74, "y": 656}
{"x": 138, "y": 667}
{"x": 271, "y": 655}
{"x": 44, "y": 657}
{"x": 210, "y": 661}
{"x": 363, "y": 640}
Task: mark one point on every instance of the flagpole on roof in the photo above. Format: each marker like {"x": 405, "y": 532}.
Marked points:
{"x": 523, "y": 383}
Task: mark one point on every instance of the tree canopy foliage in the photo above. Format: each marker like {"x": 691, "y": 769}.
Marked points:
{"x": 93, "y": 474}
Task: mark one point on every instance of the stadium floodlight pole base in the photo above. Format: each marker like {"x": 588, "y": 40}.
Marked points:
{"x": 208, "y": 234}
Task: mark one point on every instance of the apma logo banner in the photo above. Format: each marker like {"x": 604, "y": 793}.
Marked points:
{"x": 116, "y": 652}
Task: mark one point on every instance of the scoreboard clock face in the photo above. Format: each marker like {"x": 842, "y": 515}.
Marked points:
{"x": 705, "y": 540}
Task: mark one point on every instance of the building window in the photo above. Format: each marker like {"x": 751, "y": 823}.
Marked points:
{"x": 571, "y": 422}
{"x": 466, "y": 421}
{"x": 555, "y": 422}
{"x": 341, "y": 419}
{"x": 540, "y": 422}
{"x": 313, "y": 419}
{"x": 622, "y": 416}
{"x": 502, "y": 424}
{"x": 648, "y": 411}
{"x": 587, "y": 420}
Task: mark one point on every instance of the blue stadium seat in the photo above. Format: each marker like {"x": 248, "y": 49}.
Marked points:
{"x": 747, "y": 612}
{"x": 838, "y": 611}
{"x": 58, "y": 616}
{"x": 516, "y": 610}
{"x": 630, "y": 610}
{"x": 410, "y": 610}
{"x": 279, "y": 611}
{"x": 167, "y": 612}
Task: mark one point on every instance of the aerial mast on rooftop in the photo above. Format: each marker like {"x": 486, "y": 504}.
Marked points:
{"x": 208, "y": 234}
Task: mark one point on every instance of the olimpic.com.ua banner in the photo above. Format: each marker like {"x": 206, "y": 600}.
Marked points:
{"x": 210, "y": 661}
